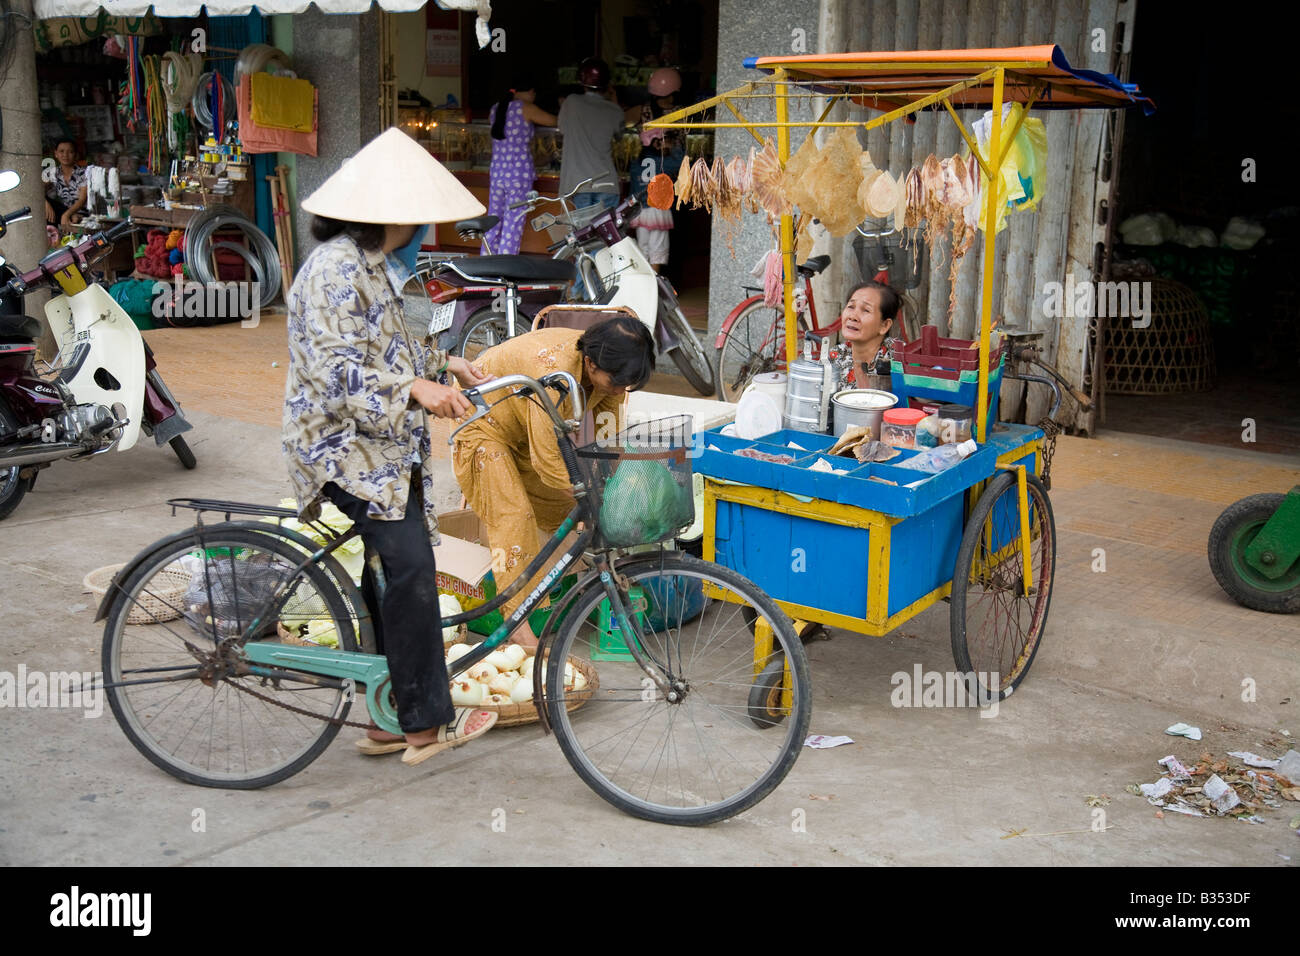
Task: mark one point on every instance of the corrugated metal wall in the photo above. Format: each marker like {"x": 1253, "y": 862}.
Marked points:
{"x": 1037, "y": 247}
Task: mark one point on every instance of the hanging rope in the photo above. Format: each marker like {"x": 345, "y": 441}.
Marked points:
{"x": 159, "y": 122}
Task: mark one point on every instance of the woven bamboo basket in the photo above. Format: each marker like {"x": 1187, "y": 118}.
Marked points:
{"x": 1173, "y": 354}
{"x": 162, "y": 603}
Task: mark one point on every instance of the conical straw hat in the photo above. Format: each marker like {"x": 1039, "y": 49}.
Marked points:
{"x": 393, "y": 179}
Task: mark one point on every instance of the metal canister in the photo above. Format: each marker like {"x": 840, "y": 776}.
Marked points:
{"x": 803, "y": 396}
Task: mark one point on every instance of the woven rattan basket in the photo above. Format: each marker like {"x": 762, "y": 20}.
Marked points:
{"x": 163, "y": 602}
{"x": 1172, "y": 354}
{"x": 512, "y": 715}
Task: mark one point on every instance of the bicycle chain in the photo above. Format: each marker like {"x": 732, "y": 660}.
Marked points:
{"x": 299, "y": 710}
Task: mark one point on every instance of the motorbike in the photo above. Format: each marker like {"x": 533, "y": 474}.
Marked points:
{"x": 102, "y": 389}
{"x": 614, "y": 271}
{"x": 480, "y": 301}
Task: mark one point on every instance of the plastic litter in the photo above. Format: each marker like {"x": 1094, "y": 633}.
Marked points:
{"x": 1253, "y": 760}
{"x": 822, "y": 742}
{"x": 1222, "y": 796}
{"x": 1184, "y": 730}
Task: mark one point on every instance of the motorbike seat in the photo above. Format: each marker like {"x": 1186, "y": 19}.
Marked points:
{"x": 814, "y": 265}
{"x": 477, "y": 224}
{"x": 19, "y": 328}
{"x": 516, "y": 268}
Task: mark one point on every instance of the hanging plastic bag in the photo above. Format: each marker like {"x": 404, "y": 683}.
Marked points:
{"x": 1023, "y": 174}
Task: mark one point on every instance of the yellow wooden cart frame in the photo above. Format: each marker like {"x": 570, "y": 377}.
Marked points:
{"x": 900, "y": 84}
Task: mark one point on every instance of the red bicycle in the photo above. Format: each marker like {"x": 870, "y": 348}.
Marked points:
{"x": 752, "y": 338}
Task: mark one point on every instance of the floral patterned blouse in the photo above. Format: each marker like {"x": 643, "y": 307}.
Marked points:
{"x": 348, "y": 414}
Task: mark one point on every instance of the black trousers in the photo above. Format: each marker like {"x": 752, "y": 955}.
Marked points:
{"x": 409, "y": 626}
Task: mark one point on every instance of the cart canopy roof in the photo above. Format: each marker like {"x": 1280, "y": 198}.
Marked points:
{"x": 888, "y": 80}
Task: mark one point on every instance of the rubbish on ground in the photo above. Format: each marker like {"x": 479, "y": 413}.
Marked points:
{"x": 821, "y": 796}
{"x": 1222, "y": 796}
{"x": 1250, "y": 819}
{"x": 1097, "y": 800}
{"x": 1253, "y": 760}
{"x": 1154, "y": 791}
{"x": 822, "y": 742}
{"x": 1172, "y": 764}
{"x": 1184, "y": 730}
{"x": 1289, "y": 765}
{"x": 1217, "y": 787}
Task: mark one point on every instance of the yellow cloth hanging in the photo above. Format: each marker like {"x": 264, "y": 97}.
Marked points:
{"x": 281, "y": 102}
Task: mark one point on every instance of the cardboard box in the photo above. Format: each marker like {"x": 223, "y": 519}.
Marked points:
{"x": 464, "y": 564}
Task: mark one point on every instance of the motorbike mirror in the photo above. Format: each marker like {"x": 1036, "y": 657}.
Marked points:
{"x": 8, "y": 180}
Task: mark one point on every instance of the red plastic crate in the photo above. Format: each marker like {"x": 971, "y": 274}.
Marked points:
{"x": 936, "y": 357}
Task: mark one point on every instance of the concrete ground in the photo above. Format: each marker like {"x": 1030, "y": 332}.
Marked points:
{"x": 1149, "y": 641}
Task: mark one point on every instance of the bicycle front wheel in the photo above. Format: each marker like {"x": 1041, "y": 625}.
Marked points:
{"x": 708, "y": 754}
{"x": 754, "y": 344}
{"x": 175, "y": 684}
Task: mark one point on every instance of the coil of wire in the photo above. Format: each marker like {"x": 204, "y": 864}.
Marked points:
{"x": 263, "y": 260}
{"x": 180, "y": 78}
{"x": 260, "y": 57}
{"x": 202, "y": 111}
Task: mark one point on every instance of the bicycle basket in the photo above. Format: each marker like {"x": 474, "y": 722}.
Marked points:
{"x": 640, "y": 482}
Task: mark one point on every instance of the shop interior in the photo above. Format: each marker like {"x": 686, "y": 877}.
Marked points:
{"x": 447, "y": 86}
{"x": 137, "y": 103}
{"x": 1219, "y": 228}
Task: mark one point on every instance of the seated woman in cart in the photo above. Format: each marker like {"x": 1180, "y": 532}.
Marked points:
{"x": 865, "y": 324}
{"x": 508, "y": 463}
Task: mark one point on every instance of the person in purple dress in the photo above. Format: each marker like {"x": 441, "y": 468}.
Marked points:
{"x": 512, "y": 171}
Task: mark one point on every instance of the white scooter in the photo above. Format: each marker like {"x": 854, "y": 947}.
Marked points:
{"x": 106, "y": 388}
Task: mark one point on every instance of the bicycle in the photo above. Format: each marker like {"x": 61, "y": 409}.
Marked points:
{"x": 751, "y": 340}
{"x": 207, "y": 674}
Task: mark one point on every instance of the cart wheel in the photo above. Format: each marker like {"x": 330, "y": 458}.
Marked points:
{"x": 1231, "y": 535}
{"x": 765, "y": 708}
{"x": 996, "y": 627}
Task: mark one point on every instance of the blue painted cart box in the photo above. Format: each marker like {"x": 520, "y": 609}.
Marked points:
{"x": 892, "y": 547}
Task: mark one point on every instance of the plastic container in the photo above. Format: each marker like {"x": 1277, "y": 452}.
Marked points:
{"x": 898, "y": 427}
{"x": 955, "y": 423}
{"x": 940, "y": 458}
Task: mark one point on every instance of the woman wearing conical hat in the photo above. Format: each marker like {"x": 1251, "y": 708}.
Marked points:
{"x": 358, "y": 390}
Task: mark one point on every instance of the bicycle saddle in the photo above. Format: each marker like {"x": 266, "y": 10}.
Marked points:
{"x": 477, "y": 224}
{"x": 515, "y": 268}
{"x": 814, "y": 265}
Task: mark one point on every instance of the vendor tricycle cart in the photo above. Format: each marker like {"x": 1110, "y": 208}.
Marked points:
{"x": 866, "y": 547}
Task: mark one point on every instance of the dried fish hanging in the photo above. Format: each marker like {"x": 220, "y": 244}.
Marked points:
{"x": 683, "y": 186}
{"x": 768, "y": 182}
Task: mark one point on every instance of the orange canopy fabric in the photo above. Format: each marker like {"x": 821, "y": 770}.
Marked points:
{"x": 888, "y": 79}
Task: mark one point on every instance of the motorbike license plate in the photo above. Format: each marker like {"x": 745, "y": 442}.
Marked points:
{"x": 443, "y": 313}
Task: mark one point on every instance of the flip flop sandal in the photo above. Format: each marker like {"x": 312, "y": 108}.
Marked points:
{"x": 452, "y": 735}
{"x": 373, "y": 748}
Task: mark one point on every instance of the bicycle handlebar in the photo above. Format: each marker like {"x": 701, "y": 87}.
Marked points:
{"x": 563, "y": 381}
{"x": 68, "y": 256}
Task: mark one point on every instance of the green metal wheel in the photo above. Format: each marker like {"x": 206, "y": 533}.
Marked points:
{"x": 1246, "y": 584}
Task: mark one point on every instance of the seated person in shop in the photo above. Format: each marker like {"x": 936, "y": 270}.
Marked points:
{"x": 508, "y": 463}
{"x": 65, "y": 196}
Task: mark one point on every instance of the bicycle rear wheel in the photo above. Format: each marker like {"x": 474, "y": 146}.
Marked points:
{"x": 175, "y": 684}
{"x": 708, "y": 755}
{"x": 754, "y": 344}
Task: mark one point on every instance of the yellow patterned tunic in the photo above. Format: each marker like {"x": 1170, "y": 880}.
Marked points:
{"x": 508, "y": 463}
